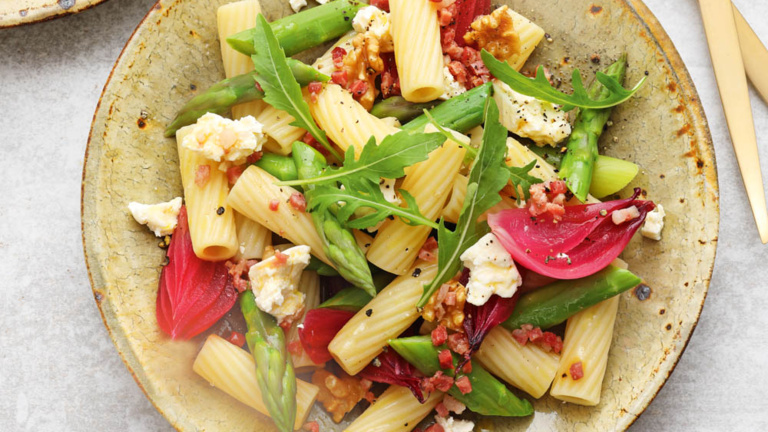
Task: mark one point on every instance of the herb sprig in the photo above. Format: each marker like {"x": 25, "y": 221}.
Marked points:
{"x": 541, "y": 89}
{"x": 281, "y": 90}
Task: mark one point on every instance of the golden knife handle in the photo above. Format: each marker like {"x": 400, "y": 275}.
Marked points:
{"x": 754, "y": 53}
{"x": 728, "y": 64}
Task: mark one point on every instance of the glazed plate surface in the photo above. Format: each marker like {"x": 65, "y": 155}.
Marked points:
{"x": 175, "y": 53}
{"x": 17, "y": 12}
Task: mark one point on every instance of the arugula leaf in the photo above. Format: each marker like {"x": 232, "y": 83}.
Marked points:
{"x": 365, "y": 195}
{"x": 485, "y": 182}
{"x": 386, "y": 160}
{"x": 281, "y": 90}
{"x": 541, "y": 89}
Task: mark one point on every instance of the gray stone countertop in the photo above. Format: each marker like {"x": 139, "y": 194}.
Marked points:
{"x": 59, "y": 371}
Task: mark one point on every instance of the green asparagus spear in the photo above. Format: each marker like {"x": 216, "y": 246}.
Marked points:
{"x": 274, "y": 370}
{"x": 488, "y": 396}
{"x": 225, "y": 94}
{"x": 460, "y": 113}
{"x": 306, "y": 29}
{"x": 553, "y": 304}
{"x": 353, "y": 299}
{"x": 578, "y": 162}
{"x": 401, "y": 109}
{"x": 282, "y": 167}
{"x": 339, "y": 243}
{"x": 320, "y": 267}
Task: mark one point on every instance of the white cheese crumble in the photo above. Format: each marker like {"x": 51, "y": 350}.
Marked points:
{"x": 275, "y": 283}
{"x": 450, "y": 424}
{"x": 491, "y": 271}
{"x": 453, "y": 88}
{"x": 387, "y": 187}
{"x": 625, "y": 215}
{"x": 529, "y": 117}
{"x": 221, "y": 139}
{"x": 371, "y": 19}
{"x": 296, "y": 5}
{"x": 654, "y": 223}
{"x": 161, "y": 218}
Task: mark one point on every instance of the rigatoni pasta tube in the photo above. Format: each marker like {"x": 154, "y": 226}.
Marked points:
{"x": 233, "y": 18}
{"x": 386, "y": 316}
{"x": 396, "y": 410}
{"x": 588, "y": 336}
{"x": 309, "y": 284}
{"x": 347, "y": 123}
{"x": 452, "y": 209}
{"x": 418, "y": 51}
{"x": 277, "y": 124}
{"x": 255, "y": 193}
{"x": 529, "y": 367}
{"x": 530, "y": 35}
{"x": 233, "y": 371}
{"x": 213, "y": 231}
{"x": 397, "y": 244}
{"x": 253, "y": 238}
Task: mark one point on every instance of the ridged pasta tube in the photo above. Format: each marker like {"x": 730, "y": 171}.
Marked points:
{"x": 418, "y": 52}
{"x": 588, "y": 336}
{"x": 233, "y": 18}
{"x": 397, "y": 244}
{"x": 213, "y": 231}
{"x": 253, "y": 238}
{"x": 324, "y": 63}
{"x": 255, "y": 192}
{"x": 452, "y": 209}
{"x": 530, "y": 35}
{"x": 529, "y": 367}
{"x": 396, "y": 410}
{"x": 309, "y": 284}
{"x": 383, "y": 318}
{"x": 233, "y": 371}
{"x": 346, "y": 122}
{"x": 277, "y": 125}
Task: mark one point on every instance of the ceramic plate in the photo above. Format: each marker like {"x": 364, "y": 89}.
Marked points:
{"x": 174, "y": 53}
{"x": 17, "y": 12}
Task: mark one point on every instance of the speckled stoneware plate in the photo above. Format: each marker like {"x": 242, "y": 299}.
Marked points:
{"x": 18, "y": 12}
{"x": 175, "y": 52}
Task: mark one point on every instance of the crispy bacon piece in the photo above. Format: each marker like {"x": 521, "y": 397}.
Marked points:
{"x": 428, "y": 252}
{"x": 254, "y": 157}
{"x": 298, "y": 201}
{"x": 464, "y": 385}
{"x": 202, "y": 175}
{"x": 439, "y": 335}
{"x": 548, "y": 197}
{"x": 340, "y": 77}
{"x": 446, "y": 359}
{"x": 458, "y": 343}
{"x": 315, "y": 87}
{"x": 442, "y": 411}
{"x": 239, "y": 273}
{"x": 236, "y": 338}
{"x": 381, "y": 4}
{"x": 577, "y": 371}
{"x": 274, "y": 205}
{"x": 337, "y": 55}
{"x": 234, "y": 173}
{"x": 439, "y": 381}
{"x": 546, "y": 340}
{"x": 390, "y": 80}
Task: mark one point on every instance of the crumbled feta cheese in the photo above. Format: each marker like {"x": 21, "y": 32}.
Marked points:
{"x": 275, "y": 283}
{"x": 654, "y": 223}
{"x": 529, "y": 117}
{"x": 453, "y": 405}
{"x": 296, "y": 5}
{"x": 453, "y": 88}
{"x": 387, "y": 187}
{"x": 491, "y": 271}
{"x": 450, "y": 424}
{"x": 625, "y": 215}
{"x": 221, "y": 139}
{"x": 160, "y": 218}
{"x": 322, "y": 2}
{"x": 374, "y": 20}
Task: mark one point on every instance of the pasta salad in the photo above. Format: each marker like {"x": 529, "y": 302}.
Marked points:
{"x": 407, "y": 228}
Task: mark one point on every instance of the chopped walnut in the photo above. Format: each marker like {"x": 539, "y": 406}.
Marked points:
{"x": 446, "y": 306}
{"x": 365, "y": 64}
{"x": 338, "y": 394}
{"x": 495, "y": 33}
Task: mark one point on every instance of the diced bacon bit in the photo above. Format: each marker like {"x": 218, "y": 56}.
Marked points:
{"x": 435, "y": 428}
{"x": 280, "y": 258}
{"x": 442, "y": 411}
{"x": 458, "y": 343}
{"x": 254, "y": 157}
{"x": 202, "y": 175}
{"x": 274, "y": 205}
{"x": 234, "y": 173}
{"x": 446, "y": 359}
{"x": 547, "y": 341}
{"x": 338, "y": 54}
{"x": 464, "y": 385}
{"x": 453, "y": 405}
{"x": 338, "y": 394}
{"x": 381, "y": 4}
{"x": 311, "y": 426}
{"x": 258, "y": 86}
{"x": 295, "y": 348}
{"x": 312, "y": 142}
{"x": 439, "y": 335}
{"x": 428, "y": 251}
{"x": 467, "y": 368}
{"x": 239, "y": 273}
{"x": 315, "y": 87}
{"x": 340, "y": 77}
{"x": 625, "y": 215}
{"x": 548, "y": 197}
{"x": 447, "y": 13}
{"x": 236, "y": 338}
{"x": 577, "y": 371}
{"x": 390, "y": 80}
{"x": 298, "y": 202}
{"x": 358, "y": 89}
{"x": 438, "y": 381}
{"x": 466, "y": 65}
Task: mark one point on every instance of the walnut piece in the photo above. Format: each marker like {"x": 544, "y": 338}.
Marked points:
{"x": 495, "y": 33}
{"x": 365, "y": 63}
{"x": 446, "y": 306}
{"x": 338, "y": 394}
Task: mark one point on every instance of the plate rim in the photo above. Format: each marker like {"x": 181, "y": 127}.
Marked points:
{"x": 705, "y": 146}
{"x": 44, "y": 13}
